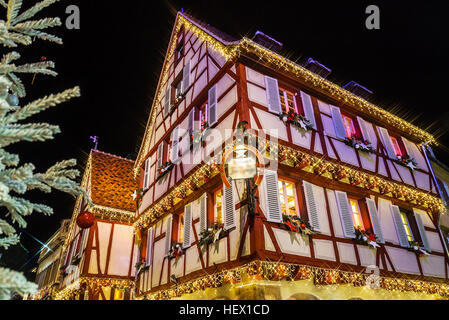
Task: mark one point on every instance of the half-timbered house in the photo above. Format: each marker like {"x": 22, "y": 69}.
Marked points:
{"x": 347, "y": 207}
{"x": 99, "y": 262}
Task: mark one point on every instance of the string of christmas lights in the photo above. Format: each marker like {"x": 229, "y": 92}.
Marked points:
{"x": 276, "y": 271}
{"x": 95, "y": 285}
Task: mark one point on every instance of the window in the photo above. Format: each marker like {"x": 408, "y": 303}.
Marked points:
{"x": 356, "y": 214}
{"x": 348, "y": 123}
{"x": 407, "y": 227}
{"x": 397, "y": 145}
{"x": 288, "y": 101}
{"x": 178, "y": 89}
{"x": 287, "y": 198}
{"x": 218, "y": 207}
{"x": 203, "y": 116}
{"x": 181, "y": 228}
{"x": 179, "y": 51}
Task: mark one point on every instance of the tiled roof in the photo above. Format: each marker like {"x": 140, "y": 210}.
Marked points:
{"x": 211, "y": 29}
{"x": 112, "y": 181}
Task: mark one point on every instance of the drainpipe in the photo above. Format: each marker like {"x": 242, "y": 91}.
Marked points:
{"x": 439, "y": 192}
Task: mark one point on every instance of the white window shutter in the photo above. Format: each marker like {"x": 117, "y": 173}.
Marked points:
{"x": 386, "y": 141}
{"x": 273, "y": 98}
{"x": 187, "y": 240}
{"x": 191, "y": 121}
{"x": 146, "y": 177}
{"x": 309, "y": 112}
{"x": 340, "y": 131}
{"x": 212, "y": 103}
{"x": 160, "y": 154}
{"x": 174, "y": 145}
{"x": 84, "y": 241}
{"x": 312, "y": 208}
{"x": 422, "y": 231}
{"x": 372, "y": 209}
{"x": 149, "y": 246}
{"x": 168, "y": 232}
{"x": 402, "y": 235}
{"x": 363, "y": 129}
{"x": 167, "y": 102}
{"x": 345, "y": 214}
{"x": 229, "y": 207}
{"x": 410, "y": 147}
{"x": 272, "y": 201}
{"x": 203, "y": 212}
{"x": 186, "y": 77}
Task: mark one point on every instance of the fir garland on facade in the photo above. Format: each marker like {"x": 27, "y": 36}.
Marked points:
{"x": 296, "y": 224}
{"x": 366, "y": 237}
{"x": 416, "y": 247}
{"x": 164, "y": 169}
{"x": 359, "y": 144}
{"x": 297, "y": 120}
{"x": 406, "y": 161}
{"x": 175, "y": 250}
{"x": 210, "y": 235}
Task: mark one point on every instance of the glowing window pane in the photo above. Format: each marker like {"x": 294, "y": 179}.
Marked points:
{"x": 287, "y": 197}
{"x": 397, "y": 148}
{"x": 406, "y": 226}
{"x": 288, "y": 102}
{"x": 181, "y": 228}
{"x": 349, "y": 126}
{"x": 356, "y": 215}
{"x": 218, "y": 207}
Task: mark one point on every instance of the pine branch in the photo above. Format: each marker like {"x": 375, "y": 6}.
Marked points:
{"x": 12, "y": 281}
{"x": 42, "y": 104}
{"x": 43, "y": 36}
{"x": 37, "y": 24}
{"x": 3, "y": 3}
{"x": 13, "y": 10}
{"x": 10, "y": 134}
{"x": 35, "y": 9}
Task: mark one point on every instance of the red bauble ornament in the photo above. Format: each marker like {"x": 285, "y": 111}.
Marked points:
{"x": 85, "y": 220}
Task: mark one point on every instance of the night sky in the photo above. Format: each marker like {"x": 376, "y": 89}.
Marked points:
{"x": 117, "y": 55}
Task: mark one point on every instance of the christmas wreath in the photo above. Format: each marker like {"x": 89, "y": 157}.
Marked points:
{"x": 164, "y": 169}
{"x": 366, "y": 237}
{"x": 359, "y": 144}
{"x": 296, "y": 224}
{"x": 175, "y": 250}
{"x": 407, "y": 161}
{"x": 210, "y": 235}
{"x": 415, "y": 246}
{"x": 299, "y": 121}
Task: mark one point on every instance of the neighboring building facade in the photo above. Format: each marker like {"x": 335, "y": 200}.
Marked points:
{"x": 315, "y": 176}
{"x": 99, "y": 262}
{"x": 48, "y": 263}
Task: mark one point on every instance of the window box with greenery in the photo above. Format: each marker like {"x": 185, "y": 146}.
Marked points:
{"x": 359, "y": 144}
{"x": 297, "y": 120}
{"x": 366, "y": 237}
{"x": 296, "y": 224}
{"x": 417, "y": 248}
{"x": 141, "y": 266}
{"x": 210, "y": 235}
{"x": 175, "y": 251}
{"x": 163, "y": 170}
{"x": 406, "y": 161}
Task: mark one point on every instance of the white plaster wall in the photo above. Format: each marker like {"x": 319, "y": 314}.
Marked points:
{"x": 121, "y": 248}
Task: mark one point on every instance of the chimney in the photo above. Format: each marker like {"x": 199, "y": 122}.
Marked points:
{"x": 266, "y": 41}
{"x": 318, "y": 68}
{"x": 358, "y": 90}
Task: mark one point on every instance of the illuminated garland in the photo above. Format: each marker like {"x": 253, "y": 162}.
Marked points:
{"x": 331, "y": 170}
{"x": 233, "y": 50}
{"x": 274, "y": 271}
{"x": 112, "y": 214}
{"x": 189, "y": 185}
{"x": 95, "y": 284}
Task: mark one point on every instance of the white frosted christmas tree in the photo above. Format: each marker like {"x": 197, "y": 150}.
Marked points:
{"x": 19, "y": 29}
